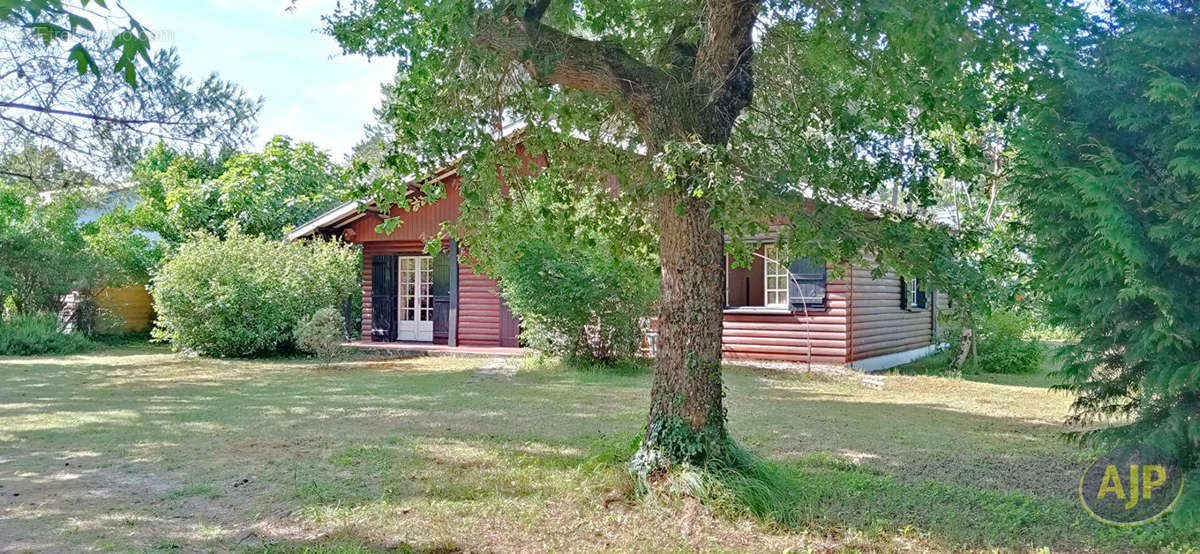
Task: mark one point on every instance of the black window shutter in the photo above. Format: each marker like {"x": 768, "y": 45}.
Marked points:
{"x": 441, "y": 296}
{"x": 807, "y": 282}
{"x": 440, "y": 273}
{"x": 384, "y": 287}
{"x": 903, "y": 294}
{"x": 921, "y": 296}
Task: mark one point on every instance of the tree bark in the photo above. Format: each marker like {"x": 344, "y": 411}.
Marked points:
{"x": 687, "y": 391}
{"x": 687, "y": 415}
{"x": 965, "y": 346}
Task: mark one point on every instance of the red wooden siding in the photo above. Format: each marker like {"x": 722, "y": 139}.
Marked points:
{"x": 879, "y": 325}
{"x": 408, "y": 238}
{"x": 863, "y": 320}
{"x": 478, "y": 309}
{"x": 787, "y": 337}
{"x": 420, "y": 225}
{"x": 375, "y": 248}
{"x": 863, "y": 317}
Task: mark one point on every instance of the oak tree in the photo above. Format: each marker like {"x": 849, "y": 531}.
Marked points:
{"x": 721, "y": 119}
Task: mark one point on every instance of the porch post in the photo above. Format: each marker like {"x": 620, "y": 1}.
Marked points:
{"x": 452, "y": 339}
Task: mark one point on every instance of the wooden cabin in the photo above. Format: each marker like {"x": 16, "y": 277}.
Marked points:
{"x": 774, "y": 311}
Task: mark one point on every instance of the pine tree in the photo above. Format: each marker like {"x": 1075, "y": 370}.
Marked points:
{"x": 1110, "y": 183}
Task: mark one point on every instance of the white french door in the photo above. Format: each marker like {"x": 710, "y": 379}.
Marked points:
{"x": 415, "y": 312}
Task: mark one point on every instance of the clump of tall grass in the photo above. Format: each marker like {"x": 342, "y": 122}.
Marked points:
{"x": 738, "y": 482}
{"x": 38, "y": 334}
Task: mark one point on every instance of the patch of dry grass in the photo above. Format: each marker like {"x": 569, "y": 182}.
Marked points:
{"x": 141, "y": 449}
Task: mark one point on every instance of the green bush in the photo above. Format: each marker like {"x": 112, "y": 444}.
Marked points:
{"x": 583, "y": 306}
{"x": 43, "y": 256}
{"x": 322, "y": 334}
{"x": 38, "y": 334}
{"x": 244, "y": 296}
{"x": 1006, "y": 346}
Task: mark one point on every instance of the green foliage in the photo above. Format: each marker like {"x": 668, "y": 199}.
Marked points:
{"x": 100, "y": 122}
{"x": 261, "y": 193}
{"x": 245, "y": 295}
{"x": 576, "y": 260}
{"x": 1006, "y": 344}
{"x": 670, "y": 442}
{"x": 52, "y": 21}
{"x": 45, "y": 168}
{"x": 125, "y": 253}
{"x": 575, "y": 303}
{"x": 821, "y": 109}
{"x": 846, "y": 102}
{"x": 43, "y": 255}
{"x": 1109, "y": 187}
{"x": 37, "y": 334}
{"x": 322, "y": 334}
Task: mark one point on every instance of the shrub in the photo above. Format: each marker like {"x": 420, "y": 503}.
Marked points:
{"x": 1005, "y": 345}
{"x": 244, "y": 295}
{"x": 584, "y": 306}
{"x": 38, "y": 334}
{"x": 43, "y": 256}
{"x": 322, "y": 334}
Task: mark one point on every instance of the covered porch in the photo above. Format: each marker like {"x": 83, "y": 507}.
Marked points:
{"x": 429, "y": 349}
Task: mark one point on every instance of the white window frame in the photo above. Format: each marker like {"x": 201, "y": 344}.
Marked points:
{"x": 770, "y": 257}
{"x": 912, "y": 287}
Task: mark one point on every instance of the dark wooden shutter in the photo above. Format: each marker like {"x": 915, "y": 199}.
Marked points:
{"x": 922, "y": 299}
{"x": 510, "y": 327}
{"x": 441, "y": 297}
{"x": 903, "y": 294}
{"x": 384, "y": 287}
{"x": 807, "y": 280}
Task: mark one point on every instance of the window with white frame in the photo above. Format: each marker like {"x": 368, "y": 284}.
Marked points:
{"x": 768, "y": 282}
{"x": 775, "y": 276}
{"x": 912, "y": 294}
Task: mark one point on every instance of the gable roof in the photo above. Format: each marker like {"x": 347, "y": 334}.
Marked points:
{"x": 354, "y": 209}
{"x": 335, "y": 216}
{"x": 349, "y": 211}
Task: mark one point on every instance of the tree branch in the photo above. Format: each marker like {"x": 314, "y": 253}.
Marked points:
{"x": 552, "y": 57}
{"x": 534, "y": 10}
{"x": 675, "y": 55}
{"x": 93, "y": 117}
{"x": 723, "y": 71}
{"x": 7, "y": 173}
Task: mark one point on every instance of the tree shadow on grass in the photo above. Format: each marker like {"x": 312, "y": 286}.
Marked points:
{"x": 347, "y": 541}
{"x": 816, "y": 495}
{"x": 341, "y": 443}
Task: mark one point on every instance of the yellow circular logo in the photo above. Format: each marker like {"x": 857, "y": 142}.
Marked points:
{"x": 1131, "y": 485}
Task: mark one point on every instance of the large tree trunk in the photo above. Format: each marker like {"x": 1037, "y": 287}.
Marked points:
{"x": 687, "y": 416}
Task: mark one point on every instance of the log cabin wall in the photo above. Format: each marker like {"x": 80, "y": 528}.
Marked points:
{"x": 878, "y": 325}
{"x": 376, "y": 248}
{"x": 478, "y": 308}
{"x": 788, "y": 336}
{"x": 478, "y": 322}
{"x": 863, "y": 320}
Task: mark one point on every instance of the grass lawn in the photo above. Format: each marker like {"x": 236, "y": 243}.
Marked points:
{"x": 136, "y": 449}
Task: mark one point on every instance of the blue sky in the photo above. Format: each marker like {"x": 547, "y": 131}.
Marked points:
{"x": 312, "y": 92}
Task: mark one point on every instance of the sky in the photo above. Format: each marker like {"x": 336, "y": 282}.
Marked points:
{"x": 312, "y": 92}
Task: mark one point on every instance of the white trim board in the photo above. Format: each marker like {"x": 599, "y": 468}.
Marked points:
{"x": 888, "y": 361}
